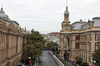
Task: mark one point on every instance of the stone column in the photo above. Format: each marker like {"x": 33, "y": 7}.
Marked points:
{"x": 17, "y": 44}
{"x": 93, "y": 42}
{"x": 88, "y": 46}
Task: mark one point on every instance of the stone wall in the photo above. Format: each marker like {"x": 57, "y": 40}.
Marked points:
{"x": 12, "y": 41}
{"x": 83, "y": 46}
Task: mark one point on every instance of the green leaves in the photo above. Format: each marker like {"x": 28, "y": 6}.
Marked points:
{"x": 34, "y": 47}
{"x": 84, "y": 64}
{"x": 96, "y": 57}
{"x": 78, "y": 60}
{"x": 52, "y": 45}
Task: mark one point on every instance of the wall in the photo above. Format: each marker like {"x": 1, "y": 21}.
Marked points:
{"x": 12, "y": 40}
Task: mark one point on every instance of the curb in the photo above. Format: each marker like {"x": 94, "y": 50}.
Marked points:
{"x": 58, "y": 61}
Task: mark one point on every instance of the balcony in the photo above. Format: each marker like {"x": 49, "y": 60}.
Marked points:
{"x": 66, "y": 48}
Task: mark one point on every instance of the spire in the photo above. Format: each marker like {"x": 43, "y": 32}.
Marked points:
{"x": 66, "y": 11}
{"x": 1, "y": 11}
{"x": 67, "y": 3}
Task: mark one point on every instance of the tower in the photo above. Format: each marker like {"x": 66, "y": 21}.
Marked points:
{"x": 66, "y": 22}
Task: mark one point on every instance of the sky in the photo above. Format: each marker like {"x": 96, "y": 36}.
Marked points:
{"x": 46, "y": 16}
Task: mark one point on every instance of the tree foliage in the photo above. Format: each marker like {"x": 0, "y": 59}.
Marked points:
{"x": 84, "y": 64}
{"x": 52, "y": 45}
{"x": 78, "y": 60}
{"x": 34, "y": 47}
{"x": 96, "y": 57}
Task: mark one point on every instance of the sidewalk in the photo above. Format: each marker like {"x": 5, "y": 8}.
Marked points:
{"x": 71, "y": 63}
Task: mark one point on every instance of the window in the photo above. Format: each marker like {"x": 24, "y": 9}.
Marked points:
{"x": 89, "y": 59}
{"x": 98, "y": 37}
{"x": 77, "y": 45}
{"x": 77, "y": 37}
{"x": 85, "y": 37}
{"x": 84, "y": 56}
{"x": 89, "y": 46}
{"x": 98, "y": 46}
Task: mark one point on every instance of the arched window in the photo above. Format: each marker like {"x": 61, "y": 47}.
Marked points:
{"x": 67, "y": 40}
{"x": 84, "y": 56}
{"x": 89, "y": 59}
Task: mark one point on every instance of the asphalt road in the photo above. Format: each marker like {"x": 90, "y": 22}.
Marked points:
{"x": 47, "y": 59}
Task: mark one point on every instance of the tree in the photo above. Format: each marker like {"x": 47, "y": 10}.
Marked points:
{"x": 84, "y": 64}
{"x": 29, "y": 51}
{"x": 96, "y": 57}
{"x": 52, "y": 45}
{"x": 78, "y": 60}
{"x": 34, "y": 47}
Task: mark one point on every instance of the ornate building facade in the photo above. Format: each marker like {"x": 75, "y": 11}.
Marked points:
{"x": 12, "y": 40}
{"x": 53, "y": 36}
{"x": 79, "y": 38}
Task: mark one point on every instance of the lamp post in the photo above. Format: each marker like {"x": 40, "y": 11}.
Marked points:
{"x": 76, "y": 54}
{"x": 30, "y": 62}
{"x": 37, "y": 59}
{"x": 93, "y": 61}
{"x": 68, "y": 55}
{"x": 76, "y": 57}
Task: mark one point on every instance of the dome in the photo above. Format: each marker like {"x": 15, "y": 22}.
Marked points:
{"x": 6, "y": 18}
{"x": 3, "y": 15}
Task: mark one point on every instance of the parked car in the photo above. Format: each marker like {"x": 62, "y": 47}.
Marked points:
{"x": 39, "y": 60}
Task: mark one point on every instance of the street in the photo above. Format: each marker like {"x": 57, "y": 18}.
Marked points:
{"x": 47, "y": 59}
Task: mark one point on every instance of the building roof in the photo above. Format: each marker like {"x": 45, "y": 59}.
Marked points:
{"x": 6, "y": 18}
{"x": 77, "y": 25}
{"x": 77, "y": 22}
{"x": 96, "y": 22}
{"x": 96, "y": 18}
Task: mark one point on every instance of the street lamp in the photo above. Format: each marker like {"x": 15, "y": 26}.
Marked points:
{"x": 68, "y": 54}
{"x": 30, "y": 62}
{"x": 29, "y": 58}
{"x": 76, "y": 54}
{"x": 93, "y": 61}
{"x": 37, "y": 59}
{"x": 76, "y": 57}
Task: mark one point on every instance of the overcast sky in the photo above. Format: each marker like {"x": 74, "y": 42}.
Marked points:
{"x": 47, "y": 15}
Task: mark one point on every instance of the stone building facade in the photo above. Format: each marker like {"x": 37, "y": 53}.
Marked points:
{"x": 80, "y": 38}
{"x": 12, "y": 41}
{"x": 54, "y": 36}
{"x": 45, "y": 36}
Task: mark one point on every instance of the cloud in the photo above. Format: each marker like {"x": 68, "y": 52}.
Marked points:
{"x": 47, "y": 15}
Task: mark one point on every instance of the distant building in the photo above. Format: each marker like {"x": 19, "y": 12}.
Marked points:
{"x": 80, "y": 38}
{"x": 45, "y": 36}
{"x": 54, "y": 36}
{"x": 12, "y": 40}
